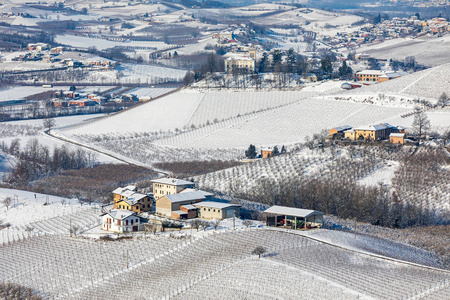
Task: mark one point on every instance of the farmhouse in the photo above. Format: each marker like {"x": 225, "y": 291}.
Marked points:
{"x": 177, "y": 206}
{"x": 129, "y": 199}
{"x": 120, "y": 221}
{"x": 375, "y": 132}
{"x": 267, "y": 152}
{"x": 169, "y": 186}
{"x": 376, "y": 75}
{"x": 217, "y": 210}
{"x": 294, "y": 218}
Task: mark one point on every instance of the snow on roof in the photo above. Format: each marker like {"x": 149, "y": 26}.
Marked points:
{"x": 121, "y": 214}
{"x": 397, "y": 135}
{"x": 240, "y": 57}
{"x": 180, "y": 212}
{"x": 343, "y": 127}
{"x": 189, "y": 206}
{"x": 376, "y": 127}
{"x": 371, "y": 72}
{"x": 120, "y": 190}
{"x": 189, "y": 190}
{"x": 291, "y": 211}
{"x": 172, "y": 181}
{"x": 184, "y": 197}
{"x": 212, "y": 204}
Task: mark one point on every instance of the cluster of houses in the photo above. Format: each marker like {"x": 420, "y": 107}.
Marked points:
{"x": 172, "y": 198}
{"x": 73, "y": 98}
{"x": 376, "y": 132}
{"x": 45, "y": 53}
{"x": 387, "y": 29}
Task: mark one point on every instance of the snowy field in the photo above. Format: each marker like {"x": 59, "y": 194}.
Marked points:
{"x": 233, "y": 120}
{"x": 102, "y": 44}
{"x": 214, "y": 264}
{"x": 429, "y": 51}
{"x": 429, "y": 83}
{"x": 37, "y": 214}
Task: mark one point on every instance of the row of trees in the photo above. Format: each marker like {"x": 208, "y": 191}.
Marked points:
{"x": 36, "y": 160}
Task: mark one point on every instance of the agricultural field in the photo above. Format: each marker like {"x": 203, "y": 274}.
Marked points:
{"x": 428, "y": 84}
{"x": 216, "y": 121}
{"x": 429, "y": 51}
{"x": 215, "y": 263}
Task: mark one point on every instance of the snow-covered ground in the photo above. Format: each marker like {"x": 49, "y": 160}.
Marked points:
{"x": 382, "y": 175}
{"x": 430, "y": 51}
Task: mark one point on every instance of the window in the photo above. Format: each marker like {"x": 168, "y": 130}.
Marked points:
{"x": 132, "y": 222}
{"x": 119, "y": 222}
{"x": 126, "y": 222}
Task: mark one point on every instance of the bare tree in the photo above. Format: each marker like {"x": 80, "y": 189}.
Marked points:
{"x": 73, "y": 230}
{"x": 421, "y": 122}
{"x": 7, "y": 202}
{"x": 247, "y": 223}
{"x": 259, "y": 251}
{"x": 215, "y": 223}
{"x": 204, "y": 224}
{"x": 48, "y": 123}
{"x": 197, "y": 223}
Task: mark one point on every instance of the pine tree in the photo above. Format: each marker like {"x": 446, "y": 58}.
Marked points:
{"x": 250, "y": 152}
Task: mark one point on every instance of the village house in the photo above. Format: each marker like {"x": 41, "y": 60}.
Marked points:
{"x": 267, "y": 152}
{"x": 178, "y": 206}
{"x": 120, "y": 221}
{"x": 169, "y": 186}
{"x": 217, "y": 210}
{"x": 244, "y": 64}
{"x": 371, "y": 132}
{"x": 128, "y": 198}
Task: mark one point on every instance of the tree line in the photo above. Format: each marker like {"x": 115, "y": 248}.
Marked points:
{"x": 36, "y": 160}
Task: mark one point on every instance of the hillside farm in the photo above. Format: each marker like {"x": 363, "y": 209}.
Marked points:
{"x": 219, "y": 263}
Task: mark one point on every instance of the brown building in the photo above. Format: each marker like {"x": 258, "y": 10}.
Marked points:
{"x": 338, "y": 132}
{"x": 397, "y": 138}
{"x": 171, "y": 205}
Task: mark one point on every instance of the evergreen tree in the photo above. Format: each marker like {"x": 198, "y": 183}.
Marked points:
{"x": 250, "y": 152}
{"x": 283, "y": 149}
{"x": 275, "y": 151}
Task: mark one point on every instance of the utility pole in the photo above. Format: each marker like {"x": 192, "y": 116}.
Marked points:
{"x": 127, "y": 258}
{"x": 234, "y": 214}
{"x": 70, "y": 227}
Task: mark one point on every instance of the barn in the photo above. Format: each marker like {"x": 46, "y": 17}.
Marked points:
{"x": 294, "y": 218}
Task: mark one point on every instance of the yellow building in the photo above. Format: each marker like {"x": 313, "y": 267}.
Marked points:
{"x": 217, "y": 210}
{"x": 376, "y": 75}
{"x": 169, "y": 186}
{"x": 374, "y": 132}
{"x": 128, "y": 198}
{"x": 244, "y": 64}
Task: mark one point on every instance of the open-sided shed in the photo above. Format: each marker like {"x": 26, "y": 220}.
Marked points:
{"x": 295, "y": 218}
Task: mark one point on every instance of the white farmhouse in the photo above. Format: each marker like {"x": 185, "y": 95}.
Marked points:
{"x": 118, "y": 220}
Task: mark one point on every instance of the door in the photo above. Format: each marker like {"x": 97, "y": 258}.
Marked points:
{"x": 135, "y": 228}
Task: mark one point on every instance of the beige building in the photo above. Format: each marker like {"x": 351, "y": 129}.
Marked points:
{"x": 171, "y": 205}
{"x": 169, "y": 186}
{"x": 217, "y": 210}
{"x": 244, "y": 64}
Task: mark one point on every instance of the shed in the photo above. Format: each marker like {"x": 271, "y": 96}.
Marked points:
{"x": 293, "y": 217}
